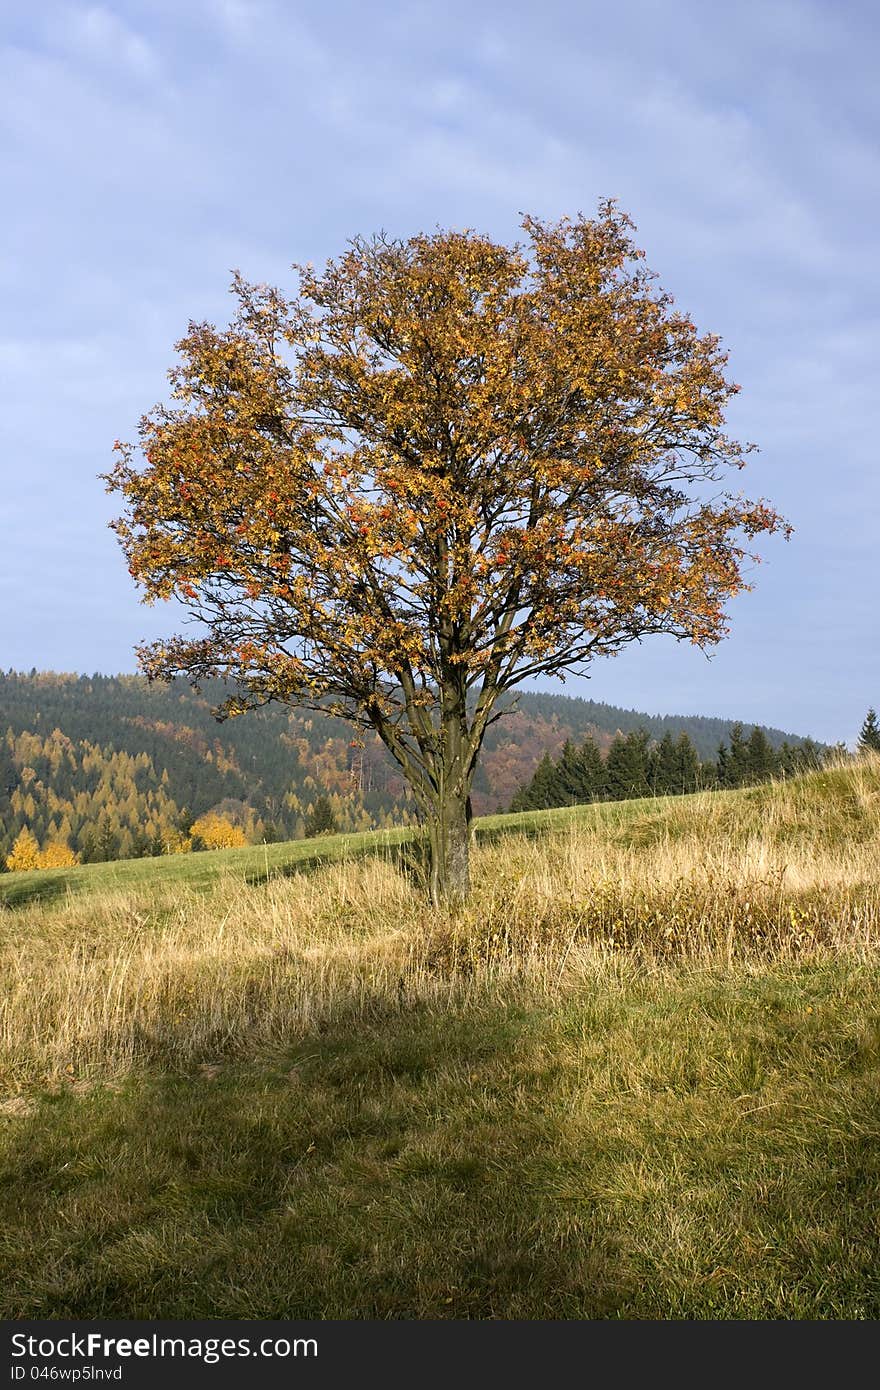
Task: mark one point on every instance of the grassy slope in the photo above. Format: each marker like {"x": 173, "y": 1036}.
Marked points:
{"x": 523, "y": 1131}
{"x": 817, "y": 796}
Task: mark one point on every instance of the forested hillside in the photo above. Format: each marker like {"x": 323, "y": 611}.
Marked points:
{"x": 105, "y": 767}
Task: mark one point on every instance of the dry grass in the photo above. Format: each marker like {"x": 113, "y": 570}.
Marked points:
{"x": 167, "y": 973}
{"x": 637, "y": 1078}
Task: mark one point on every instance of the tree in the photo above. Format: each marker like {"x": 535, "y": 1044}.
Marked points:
{"x": 626, "y": 767}
{"x": 869, "y": 734}
{"x": 689, "y": 772}
{"x": 736, "y": 761}
{"x": 663, "y": 774}
{"x": 543, "y": 792}
{"x": 320, "y": 819}
{"x": 592, "y": 770}
{"x": 761, "y": 759}
{"x": 213, "y": 831}
{"x": 57, "y": 855}
{"x": 569, "y": 772}
{"x": 443, "y": 467}
{"x": 25, "y": 852}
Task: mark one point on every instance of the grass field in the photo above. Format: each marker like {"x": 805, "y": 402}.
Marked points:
{"x": 638, "y": 1077}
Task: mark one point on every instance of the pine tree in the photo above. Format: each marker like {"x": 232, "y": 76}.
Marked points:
{"x": 626, "y": 768}
{"x": 869, "y": 734}
{"x": 569, "y": 777}
{"x": 543, "y": 790}
{"x": 762, "y": 761}
{"x": 688, "y": 772}
{"x": 723, "y": 765}
{"x": 592, "y": 770}
{"x": 809, "y": 756}
{"x": 738, "y": 758}
{"x": 320, "y": 819}
{"x": 663, "y": 775}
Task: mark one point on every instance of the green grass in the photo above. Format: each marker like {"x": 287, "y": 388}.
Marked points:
{"x": 253, "y": 865}
{"x": 638, "y": 1077}
{"x": 692, "y": 1145}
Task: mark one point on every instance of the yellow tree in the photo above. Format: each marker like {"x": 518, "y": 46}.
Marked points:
{"x": 216, "y": 832}
{"x": 443, "y": 466}
{"x": 57, "y": 855}
{"x": 25, "y": 852}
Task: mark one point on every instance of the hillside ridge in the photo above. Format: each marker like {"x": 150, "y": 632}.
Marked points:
{"x": 117, "y": 767}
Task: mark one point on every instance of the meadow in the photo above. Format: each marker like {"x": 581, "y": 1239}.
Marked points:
{"x": 637, "y": 1077}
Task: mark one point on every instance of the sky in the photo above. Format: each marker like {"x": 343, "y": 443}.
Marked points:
{"x": 149, "y": 149}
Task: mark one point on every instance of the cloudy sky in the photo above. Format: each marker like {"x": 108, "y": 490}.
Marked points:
{"x": 150, "y": 148}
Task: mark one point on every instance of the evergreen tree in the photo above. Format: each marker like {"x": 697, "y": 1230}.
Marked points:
{"x": 869, "y": 734}
{"x": 320, "y": 820}
{"x": 543, "y": 790}
{"x": 762, "y": 761}
{"x": 572, "y": 785}
{"x": 809, "y": 756}
{"x": 722, "y": 766}
{"x": 787, "y": 758}
{"x": 737, "y": 772}
{"x": 592, "y": 770}
{"x": 688, "y": 772}
{"x": 107, "y": 845}
{"x": 663, "y": 768}
{"x": 626, "y": 768}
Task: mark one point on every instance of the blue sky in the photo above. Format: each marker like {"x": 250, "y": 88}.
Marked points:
{"x": 150, "y": 148}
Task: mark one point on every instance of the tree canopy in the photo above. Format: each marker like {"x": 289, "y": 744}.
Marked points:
{"x": 443, "y": 466}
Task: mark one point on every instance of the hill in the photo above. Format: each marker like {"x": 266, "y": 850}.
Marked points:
{"x": 635, "y": 1078}
{"x": 117, "y": 768}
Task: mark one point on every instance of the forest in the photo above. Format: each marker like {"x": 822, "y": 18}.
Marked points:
{"x": 96, "y": 768}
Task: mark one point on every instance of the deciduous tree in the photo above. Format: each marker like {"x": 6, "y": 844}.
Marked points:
{"x": 213, "y": 831}
{"x": 443, "y": 466}
{"x": 25, "y": 852}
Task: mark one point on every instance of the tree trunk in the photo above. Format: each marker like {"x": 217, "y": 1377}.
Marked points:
{"x": 449, "y": 836}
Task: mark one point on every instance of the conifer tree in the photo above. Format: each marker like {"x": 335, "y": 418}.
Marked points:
{"x": 569, "y": 780}
{"x": 688, "y": 771}
{"x": 592, "y": 770}
{"x": 737, "y": 771}
{"x": 626, "y": 768}
{"x": 664, "y": 778}
{"x": 722, "y": 765}
{"x": 809, "y": 756}
{"x": 320, "y": 819}
{"x": 762, "y": 761}
{"x": 869, "y": 734}
{"x": 545, "y": 785}
{"x": 57, "y": 855}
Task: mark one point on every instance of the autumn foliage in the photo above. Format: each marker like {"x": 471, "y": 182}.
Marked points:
{"x": 443, "y": 466}
{"x": 26, "y": 853}
{"x": 213, "y": 831}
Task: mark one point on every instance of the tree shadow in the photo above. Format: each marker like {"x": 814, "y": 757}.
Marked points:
{"x": 312, "y": 1186}
{"x": 491, "y": 834}
{"x": 26, "y": 890}
{"x": 410, "y": 858}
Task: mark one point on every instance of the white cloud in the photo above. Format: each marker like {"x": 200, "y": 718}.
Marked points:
{"x": 98, "y": 35}
{"x": 150, "y": 146}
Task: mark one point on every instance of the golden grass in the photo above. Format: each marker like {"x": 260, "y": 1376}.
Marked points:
{"x": 163, "y": 972}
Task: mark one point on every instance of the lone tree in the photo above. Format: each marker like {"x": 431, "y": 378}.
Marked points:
{"x": 869, "y": 734}
{"x": 445, "y": 465}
